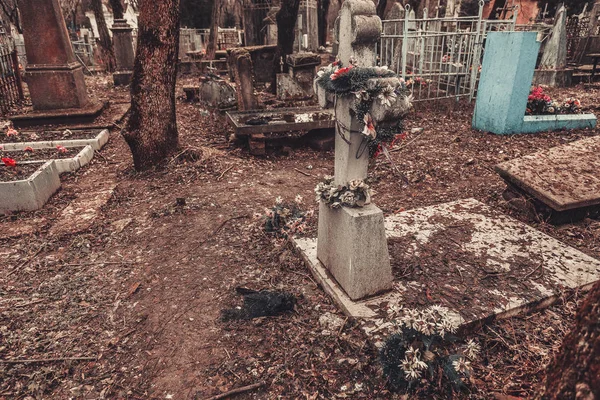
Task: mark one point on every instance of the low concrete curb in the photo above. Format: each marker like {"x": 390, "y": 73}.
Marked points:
{"x": 97, "y": 143}
{"x": 31, "y": 193}
{"x": 70, "y": 164}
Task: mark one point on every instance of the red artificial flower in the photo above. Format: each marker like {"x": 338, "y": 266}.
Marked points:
{"x": 28, "y": 149}
{"x": 61, "y": 149}
{"x": 9, "y": 162}
{"x": 378, "y": 151}
{"x": 336, "y": 63}
{"x": 398, "y": 138}
{"x": 340, "y": 72}
{"x": 12, "y": 132}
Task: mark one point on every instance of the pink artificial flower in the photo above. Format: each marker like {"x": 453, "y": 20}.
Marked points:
{"x": 61, "y": 149}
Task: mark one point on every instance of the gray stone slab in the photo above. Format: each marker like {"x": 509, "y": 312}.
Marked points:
{"x": 564, "y": 177}
{"x": 498, "y": 243}
{"x": 281, "y": 120}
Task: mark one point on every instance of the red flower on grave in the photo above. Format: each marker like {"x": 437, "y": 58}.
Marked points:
{"x": 12, "y": 132}
{"x": 28, "y": 149}
{"x": 61, "y": 149}
{"x": 9, "y": 162}
{"x": 398, "y": 138}
{"x": 378, "y": 151}
{"x": 340, "y": 72}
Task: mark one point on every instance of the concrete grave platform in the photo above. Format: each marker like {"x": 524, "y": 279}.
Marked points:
{"x": 61, "y": 116}
{"x": 69, "y": 164}
{"x": 564, "y": 178}
{"x": 465, "y": 256}
{"x": 32, "y": 193}
{"x": 96, "y": 143}
{"x": 251, "y": 122}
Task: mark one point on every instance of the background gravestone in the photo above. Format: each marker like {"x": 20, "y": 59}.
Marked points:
{"x": 506, "y": 75}
{"x": 53, "y": 75}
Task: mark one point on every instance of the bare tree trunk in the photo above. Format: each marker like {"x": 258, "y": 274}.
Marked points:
{"x": 106, "y": 49}
{"x": 117, "y": 8}
{"x": 151, "y": 131}
{"x": 323, "y": 7}
{"x": 381, "y": 5}
{"x": 575, "y": 371}
{"x": 211, "y": 47}
{"x": 286, "y": 29}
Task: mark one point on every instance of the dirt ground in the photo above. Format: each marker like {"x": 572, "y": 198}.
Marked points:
{"x": 135, "y": 299}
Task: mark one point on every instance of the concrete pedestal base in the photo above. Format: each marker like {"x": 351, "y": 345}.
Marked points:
{"x": 56, "y": 86}
{"x": 122, "y": 78}
{"x": 352, "y": 245}
{"x": 553, "y": 77}
{"x": 59, "y": 117}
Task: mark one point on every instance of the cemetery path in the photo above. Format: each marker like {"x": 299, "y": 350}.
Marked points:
{"x": 141, "y": 289}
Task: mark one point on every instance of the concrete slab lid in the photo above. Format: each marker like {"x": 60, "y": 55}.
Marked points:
{"x": 496, "y": 236}
{"x": 563, "y": 177}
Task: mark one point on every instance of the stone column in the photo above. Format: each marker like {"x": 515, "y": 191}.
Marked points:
{"x": 351, "y": 242}
{"x": 123, "y": 46}
{"x": 53, "y": 75}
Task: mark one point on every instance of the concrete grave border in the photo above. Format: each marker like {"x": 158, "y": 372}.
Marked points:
{"x": 97, "y": 143}
{"x": 69, "y": 164}
{"x": 32, "y": 193}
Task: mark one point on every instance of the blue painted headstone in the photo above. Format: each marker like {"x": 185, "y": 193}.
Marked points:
{"x": 506, "y": 75}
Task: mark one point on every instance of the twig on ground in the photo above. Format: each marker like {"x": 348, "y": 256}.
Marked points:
{"x": 46, "y": 360}
{"x": 535, "y": 269}
{"x": 18, "y": 267}
{"x": 400, "y": 148}
{"x": 239, "y": 390}
{"x": 224, "y": 172}
{"x": 302, "y": 172}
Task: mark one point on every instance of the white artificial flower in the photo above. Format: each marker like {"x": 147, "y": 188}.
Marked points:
{"x": 369, "y": 129}
{"x": 462, "y": 365}
{"x": 472, "y": 350}
{"x": 387, "y": 96}
{"x": 278, "y": 200}
{"x": 298, "y": 199}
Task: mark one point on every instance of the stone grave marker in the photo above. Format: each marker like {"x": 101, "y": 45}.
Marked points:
{"x": 553, "y": 69}
{"x": 351, "y": 241}
{"x": 53, "y": 74}
{"x": 506, "y": 75}
{"x": 124, "y": 54}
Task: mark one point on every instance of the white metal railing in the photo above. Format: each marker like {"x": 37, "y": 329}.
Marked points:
{"x": 438, "y": 57}
{"x": 196, "y": 39}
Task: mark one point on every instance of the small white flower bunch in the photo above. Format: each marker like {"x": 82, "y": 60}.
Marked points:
{"x": 434, "y": 320}
{"x": 412, "y": 365}
{"x": 353, "y": 194}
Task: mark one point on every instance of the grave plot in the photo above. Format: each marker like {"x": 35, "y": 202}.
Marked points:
{"x": 257, "y": 124}
{"x": 465, "y": 256}
{"x": 50, "y": 139}
{"x": 563, "y": 181}
{"x": 65, "y": 159}
{"x": 27, "y": 187}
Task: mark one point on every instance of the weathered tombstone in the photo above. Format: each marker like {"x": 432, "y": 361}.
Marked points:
{"x": 506, "y": 75}
{"x": 53, "y": 74}
{"x": 298, "y": 82}
{"x": 124, "y": 55}
{"x": 391, "y": 49}
{"x": 242, "y": 70}
{"x": 351, "y": 241}
{"x": 306, "y": 38}
{"x": 553, "y": 65}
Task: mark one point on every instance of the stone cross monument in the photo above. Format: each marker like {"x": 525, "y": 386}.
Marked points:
{"x": 351, "y": 242}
